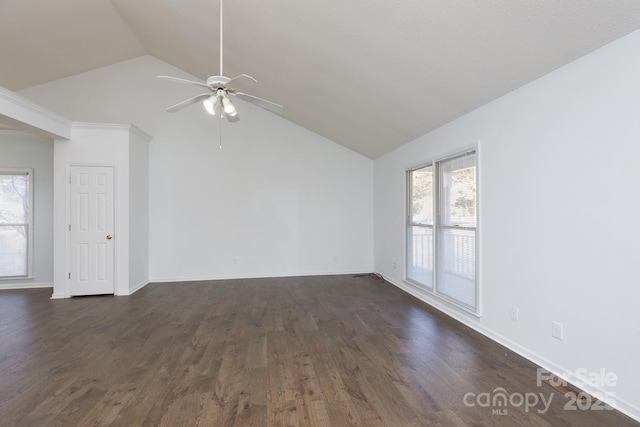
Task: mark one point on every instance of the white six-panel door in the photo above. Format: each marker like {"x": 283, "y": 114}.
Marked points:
{"x": 91, "y": 230}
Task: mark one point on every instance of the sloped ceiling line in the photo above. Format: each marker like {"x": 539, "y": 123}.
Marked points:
{"x": 370, "y": 77}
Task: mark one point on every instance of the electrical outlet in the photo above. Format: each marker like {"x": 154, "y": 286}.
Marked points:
{"x": 557, "y": 330}
{"x": 513, "y": 313}
{"x": 395, "y": 265}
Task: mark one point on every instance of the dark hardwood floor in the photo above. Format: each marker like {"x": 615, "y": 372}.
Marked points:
{"x": 306, "y": 351}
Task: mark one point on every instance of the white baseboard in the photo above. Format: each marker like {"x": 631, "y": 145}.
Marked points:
{"x": 250, "y": 276}
{"x": 137, "y": 287}
{"x": 25, "y": 285}
{"x": 131, "y": 290}
{"x": 620, "y": 404}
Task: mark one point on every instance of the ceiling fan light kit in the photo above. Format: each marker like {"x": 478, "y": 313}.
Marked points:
{"x": 217, "y": 101}
{"x": 211, "y": 104}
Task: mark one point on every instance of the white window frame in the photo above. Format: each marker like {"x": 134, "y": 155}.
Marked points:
{"x": 29, "y": 225}
{"x": 437, "y": 225}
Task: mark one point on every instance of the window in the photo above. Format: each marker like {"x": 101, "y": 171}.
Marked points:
{"x": 420, "y": 229}
{"x": 442, "y": 228}
{"x": 15, "y": 223}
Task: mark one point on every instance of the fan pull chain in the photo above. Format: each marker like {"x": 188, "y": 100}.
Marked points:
{"x": 220, "y": 131}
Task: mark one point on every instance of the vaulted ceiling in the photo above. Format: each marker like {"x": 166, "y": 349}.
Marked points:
{"x": 368, "y": 75}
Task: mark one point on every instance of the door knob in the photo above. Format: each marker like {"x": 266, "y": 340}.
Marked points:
{"x": 109, "y": 237}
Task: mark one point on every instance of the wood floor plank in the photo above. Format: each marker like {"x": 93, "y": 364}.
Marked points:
{"x": 282, "y": 408}
{"x": 252, "y": 405}
{"x": 308, "y": 393}
{"x": 298, "y": 351}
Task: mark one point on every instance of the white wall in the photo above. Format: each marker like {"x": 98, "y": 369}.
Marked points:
{"x": 98, "y": 145}
{"x": 19, "y": 150}
{"x": 558, "y": 216}
{"x": 276, "y": 200}
{"x": 125, "y": 148}
{"x": 138, "y": 210}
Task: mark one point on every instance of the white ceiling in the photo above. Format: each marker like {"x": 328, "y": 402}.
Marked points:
{"x": 370, "y": 75}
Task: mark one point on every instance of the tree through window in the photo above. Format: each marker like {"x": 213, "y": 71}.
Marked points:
{"x": 15, "y": 223}
{"x": 442, "y": 228}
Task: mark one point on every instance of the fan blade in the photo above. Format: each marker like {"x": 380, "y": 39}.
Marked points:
{"x": 240, "y": 82}
{"x": 262, "y": 103}
{"x": 177, "y": 80}
{"x": 181, "y": 105}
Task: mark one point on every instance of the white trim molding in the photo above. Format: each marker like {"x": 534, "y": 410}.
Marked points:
{"x": 135, "y": 288}
{"x": 29, "y": 285}
{"x": 22, "y": 114}
{"x": 133, "y": 129}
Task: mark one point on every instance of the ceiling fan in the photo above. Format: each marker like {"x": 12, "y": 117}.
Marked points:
{"x": 217, "y": 100}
